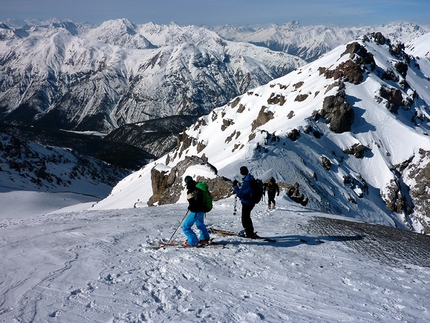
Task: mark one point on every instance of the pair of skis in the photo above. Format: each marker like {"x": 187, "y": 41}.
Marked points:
{"x": 211, "y": 244}
{"x": 181, "y": 244}
{"x": 241, "y": 234}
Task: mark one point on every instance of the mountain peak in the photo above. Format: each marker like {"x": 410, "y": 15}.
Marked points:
{"x": 122, "y": 24}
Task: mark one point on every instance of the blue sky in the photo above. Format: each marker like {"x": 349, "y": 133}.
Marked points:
{"x": 221, "y": 12}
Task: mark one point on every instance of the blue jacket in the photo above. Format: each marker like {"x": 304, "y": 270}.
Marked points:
{"x": 245, "y": 191}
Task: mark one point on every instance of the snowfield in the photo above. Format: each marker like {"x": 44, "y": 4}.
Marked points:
{"x": 76, "y": 265}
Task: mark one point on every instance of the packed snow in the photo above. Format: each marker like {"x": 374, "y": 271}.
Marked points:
{"x": 78, "y": 265}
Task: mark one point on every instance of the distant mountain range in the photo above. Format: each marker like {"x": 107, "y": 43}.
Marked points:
{"x": 64, "y": 75}
{"x": 310, "y": 42}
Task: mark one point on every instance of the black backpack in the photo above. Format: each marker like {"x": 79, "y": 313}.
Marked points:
{"x": 257, "y": 190}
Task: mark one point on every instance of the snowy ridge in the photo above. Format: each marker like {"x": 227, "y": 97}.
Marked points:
{"x": 256, "y": 130}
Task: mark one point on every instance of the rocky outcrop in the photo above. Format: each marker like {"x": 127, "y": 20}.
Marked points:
{"x": 294, "y": 134}
{"x": 348, "y": 71}
{"x": 402, "y": 68}
{"x": 357, "y": 150}
{"x": 394, "y": 98}
{"x": 160, "y": 182}
{"x": 359, "y": 55}
{"x": 352, "y": 70}
{"x": 326, "y": 162}
{"x": 395, "y": 199}
{"x": 418, "y": 169}
{"x": 226, "y": 123}
{"x": 167, "y": 184}
{"x": 337, "y": 112}
{"x": 294, "y": 193}
{"x": 276, "y": 99}
{"x": 301, "y": 97}
{"x": 264, "y": 116}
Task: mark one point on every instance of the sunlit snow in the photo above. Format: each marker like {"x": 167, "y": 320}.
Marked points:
{"x": 97, "y": 266}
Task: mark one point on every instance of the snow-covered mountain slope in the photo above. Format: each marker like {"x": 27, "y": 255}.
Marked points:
{"x": 27, "y": 166}
{"x": 63, "y": 75}
{"x": 97, "y": 266}
{"x": 310, "y": 42}
{"x": 351, "y": 129}
{"x": 419, "y": 49}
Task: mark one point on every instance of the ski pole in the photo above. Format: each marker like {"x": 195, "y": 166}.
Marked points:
{"x": 170, "y": 240}
{"x": 235, "y": 204}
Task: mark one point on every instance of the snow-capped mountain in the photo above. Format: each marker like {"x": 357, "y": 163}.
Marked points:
{"x": 347, "y": 133}
{"x": 310, "y": 42}
{"x": 63, "y": 75}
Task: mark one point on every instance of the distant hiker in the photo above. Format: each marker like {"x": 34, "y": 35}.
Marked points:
{"x": 272, "y": 188}
{"x": 197, "y": 206}
{"x": 245, "y": 195}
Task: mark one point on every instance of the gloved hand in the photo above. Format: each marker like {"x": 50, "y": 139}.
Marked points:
{"x": 235, "y": 182}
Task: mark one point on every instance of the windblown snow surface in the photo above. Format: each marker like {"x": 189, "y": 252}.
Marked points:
{"x": 75, "y": 265}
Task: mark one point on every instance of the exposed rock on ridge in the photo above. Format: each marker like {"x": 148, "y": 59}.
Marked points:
{"x": 167, "y": 184}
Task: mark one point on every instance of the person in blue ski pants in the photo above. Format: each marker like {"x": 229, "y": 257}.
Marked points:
{"x": 196, "y": 206}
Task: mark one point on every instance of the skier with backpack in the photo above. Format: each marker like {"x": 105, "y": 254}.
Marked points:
{"x": 272, "y": 188}
{"x": 245, "y": 194}
{"x": 197, "y": 207}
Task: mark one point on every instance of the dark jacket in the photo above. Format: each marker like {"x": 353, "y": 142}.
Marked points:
{"x": 272, "y": 188}
{"x": 195, "y": 198}
{"x": 245, "y": 191}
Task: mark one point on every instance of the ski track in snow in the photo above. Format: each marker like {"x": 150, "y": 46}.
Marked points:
{"x": 99, "y": 267}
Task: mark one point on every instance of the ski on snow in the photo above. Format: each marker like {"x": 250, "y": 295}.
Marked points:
{"x": 222, "y": 232}
{"x": 180, "y": 244}
{"x": 212, "y": 244}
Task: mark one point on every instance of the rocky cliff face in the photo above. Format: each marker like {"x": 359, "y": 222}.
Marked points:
{"x": 167, "y": 185}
